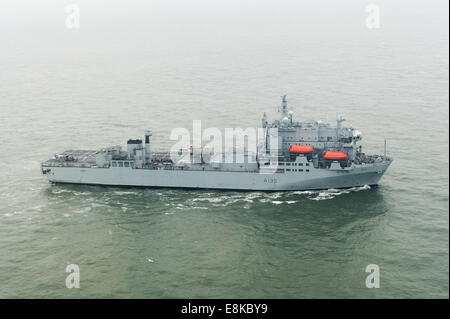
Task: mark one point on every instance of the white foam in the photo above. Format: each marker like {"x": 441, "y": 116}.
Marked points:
{"x": 332, "y": 192}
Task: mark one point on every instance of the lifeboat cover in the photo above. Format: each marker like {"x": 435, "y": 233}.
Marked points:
{"x": 336, "y": 156}
{"x": 300, "y": 149}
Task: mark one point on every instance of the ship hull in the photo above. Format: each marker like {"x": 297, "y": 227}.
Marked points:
{"x": 287, "y": 181}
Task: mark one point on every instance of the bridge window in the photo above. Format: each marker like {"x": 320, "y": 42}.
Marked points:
{"x": 307, "y": 170}
{"x": 120, "y": 164}
{"x": 300, "y": 170}
{"x": 127, "y": 164}
{"x": 114, "y": 164}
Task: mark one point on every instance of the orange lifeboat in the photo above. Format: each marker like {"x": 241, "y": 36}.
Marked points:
{"x": 300, "y": 149}
{"x": 335, "y": 156}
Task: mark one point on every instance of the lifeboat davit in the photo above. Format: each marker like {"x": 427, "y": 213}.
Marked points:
{"x": 335, "y": 156}
{"x": 299, "y": 149}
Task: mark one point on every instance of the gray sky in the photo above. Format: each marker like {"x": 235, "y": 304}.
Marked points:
{"x": 135, "y": 20}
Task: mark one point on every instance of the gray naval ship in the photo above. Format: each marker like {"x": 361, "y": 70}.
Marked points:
{"x": 308, "y": 156}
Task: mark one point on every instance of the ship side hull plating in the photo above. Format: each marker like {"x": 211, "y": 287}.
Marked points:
{"x": 314, "y": 179}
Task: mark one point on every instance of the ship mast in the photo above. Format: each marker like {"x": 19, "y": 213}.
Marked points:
{"x": 284, "y": 109}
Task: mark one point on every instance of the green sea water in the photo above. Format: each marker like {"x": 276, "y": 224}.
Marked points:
{"x": 160, "y": 67}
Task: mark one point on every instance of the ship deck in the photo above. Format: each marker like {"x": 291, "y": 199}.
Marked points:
{"x": 78, "y": 158}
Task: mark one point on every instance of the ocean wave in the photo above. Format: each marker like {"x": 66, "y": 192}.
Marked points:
{"x": 332, "y": 192}
{"x": 124, "y": 193}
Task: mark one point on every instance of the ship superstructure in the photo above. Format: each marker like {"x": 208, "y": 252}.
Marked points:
{"x": 309, "y": 155}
